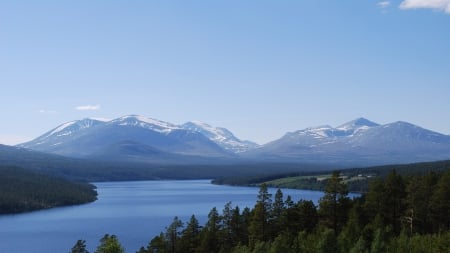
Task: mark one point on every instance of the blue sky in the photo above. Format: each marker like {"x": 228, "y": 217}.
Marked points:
{"x": 260, "y": 68}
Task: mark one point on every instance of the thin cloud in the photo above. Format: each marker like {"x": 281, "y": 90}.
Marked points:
{"x": 43, "y": 111}
{"x": 384, "y": 4}
{"x": 443, "y": 5}
{"x": 87, "y": 107}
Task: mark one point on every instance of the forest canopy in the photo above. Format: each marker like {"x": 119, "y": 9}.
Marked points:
{"x": 397, "y": 214}
{"x": 22, "y": 190}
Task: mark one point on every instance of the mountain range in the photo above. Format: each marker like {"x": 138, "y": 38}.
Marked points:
{"x": 139, "y": 138}
{"x": 360, "y": 142}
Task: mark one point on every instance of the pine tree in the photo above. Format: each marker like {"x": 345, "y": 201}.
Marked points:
{"x": 173, "y": 233}
{"x": 277, "y": 217}
{"x": 259, "y": 225}
{"x": 110, "y": 244}
{"x": 79, "y": 247}
{"x": 278, "y": 206}
{"x": 210, "y": 235}
{"x": 440, "y": 204}
{"x": 158, "y": 244}
{"x": 378, "y": 243}
{"x": 327, "y": 242}
{"x": 394, "y": 204}
{"x": 307, "y": 215}
{"x": 227, "y": 216}
{"x": 351, "y": 231}
{"x": 420, "y": 191}
{"x": 334, "y": 205}
{"x": 190, "y": 238}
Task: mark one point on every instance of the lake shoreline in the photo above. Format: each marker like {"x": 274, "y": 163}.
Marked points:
{"x": 135, "y": 211}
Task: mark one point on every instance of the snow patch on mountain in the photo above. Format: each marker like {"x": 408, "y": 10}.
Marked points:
{"x": 73, "y": 126}
{"x": 221, "y": 136}
{"x": 144, "y": 122}
{"x": 61, "y": 128}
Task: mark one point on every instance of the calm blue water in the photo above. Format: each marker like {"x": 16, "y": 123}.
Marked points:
{"x": 134, "y": 211}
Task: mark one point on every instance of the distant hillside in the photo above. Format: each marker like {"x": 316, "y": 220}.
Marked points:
{"x": 357, "y": 179}
{"x": 22, "y": 191}
{"x": 91, "y": 170}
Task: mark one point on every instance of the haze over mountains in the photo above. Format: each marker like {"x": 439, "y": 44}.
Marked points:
{"x": 135, "y": 138}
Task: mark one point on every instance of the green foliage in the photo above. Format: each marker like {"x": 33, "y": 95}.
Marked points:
{"x": 158, "y": 245}
{"x": 440, "y": 204}
{"x": 327, "y": 242}
{"x": 190, "y": 236}
{"x": 309, "y": 178}
{"x": 110, "y": 244}
{"x": 79, "y": 247}
{"x": 334, "y": 205}
{"x": 363, "y": 225}
{"x": 22, "y": 190}
{"x": 369, "y": 224}
{"x": 259, "y": 226}
{"x": 173, "y": 233}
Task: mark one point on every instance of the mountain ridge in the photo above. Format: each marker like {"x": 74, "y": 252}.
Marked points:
{"x": 357, "y": 142}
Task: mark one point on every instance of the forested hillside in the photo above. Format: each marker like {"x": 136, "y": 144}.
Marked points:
{"x": 356, "y": 179}
{"x": 398, "y": 214}
{"x": 22, "y": 190}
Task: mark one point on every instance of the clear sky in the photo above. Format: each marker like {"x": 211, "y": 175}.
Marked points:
{"x": 259, "y": 68}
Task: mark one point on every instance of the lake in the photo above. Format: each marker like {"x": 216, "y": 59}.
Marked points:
{"x": 134, "y": 211}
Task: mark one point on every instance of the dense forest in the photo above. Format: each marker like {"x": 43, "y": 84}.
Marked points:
{"x": 22, "y": 190}
{"x": 397, "y": 214}
{"x": 356, "y": 179}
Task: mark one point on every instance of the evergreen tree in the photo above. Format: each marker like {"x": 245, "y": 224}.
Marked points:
{"x": 245, "y": 220}
{"x": 394, "y": 205}
{"x": 351, "y": 231}
{"x": 378, "y": 243}
{"x": 334, "y": 205}
{"x": 374, "y": 199}
{"x": 278, "y": 206}
{"x": 419, "y": 191}
{"x": 282, "y": 243}
{"x": 327, "y": 242}
{"x": 190, "y": 238}
{"x": 289, "y": 203}
{"x": 79, "y": 247}
{"x": 173, "y": 233}
{"x": 307, "y": 215}
{"x": 237, "y": 226}
{"x": 359, "y": 247}
{"x": 305, "y": 243}
{"x": 158, "y": 245}
{"x": 440, "y": 204}
{"x": 259, "y": 226}
{"x": 110, "y": 244}
{"x": 211, "y": 233}
{"x": 277, "y": 217}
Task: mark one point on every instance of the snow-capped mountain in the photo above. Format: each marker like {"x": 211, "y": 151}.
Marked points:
{"x": 142, "y": 136}
{"x": 358, "y": 142}
{"x": 357, "y": 125}
{"x": 147, "y": 123}
{"x": 221, "y": 136}
{"x": 62, "y": 133}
